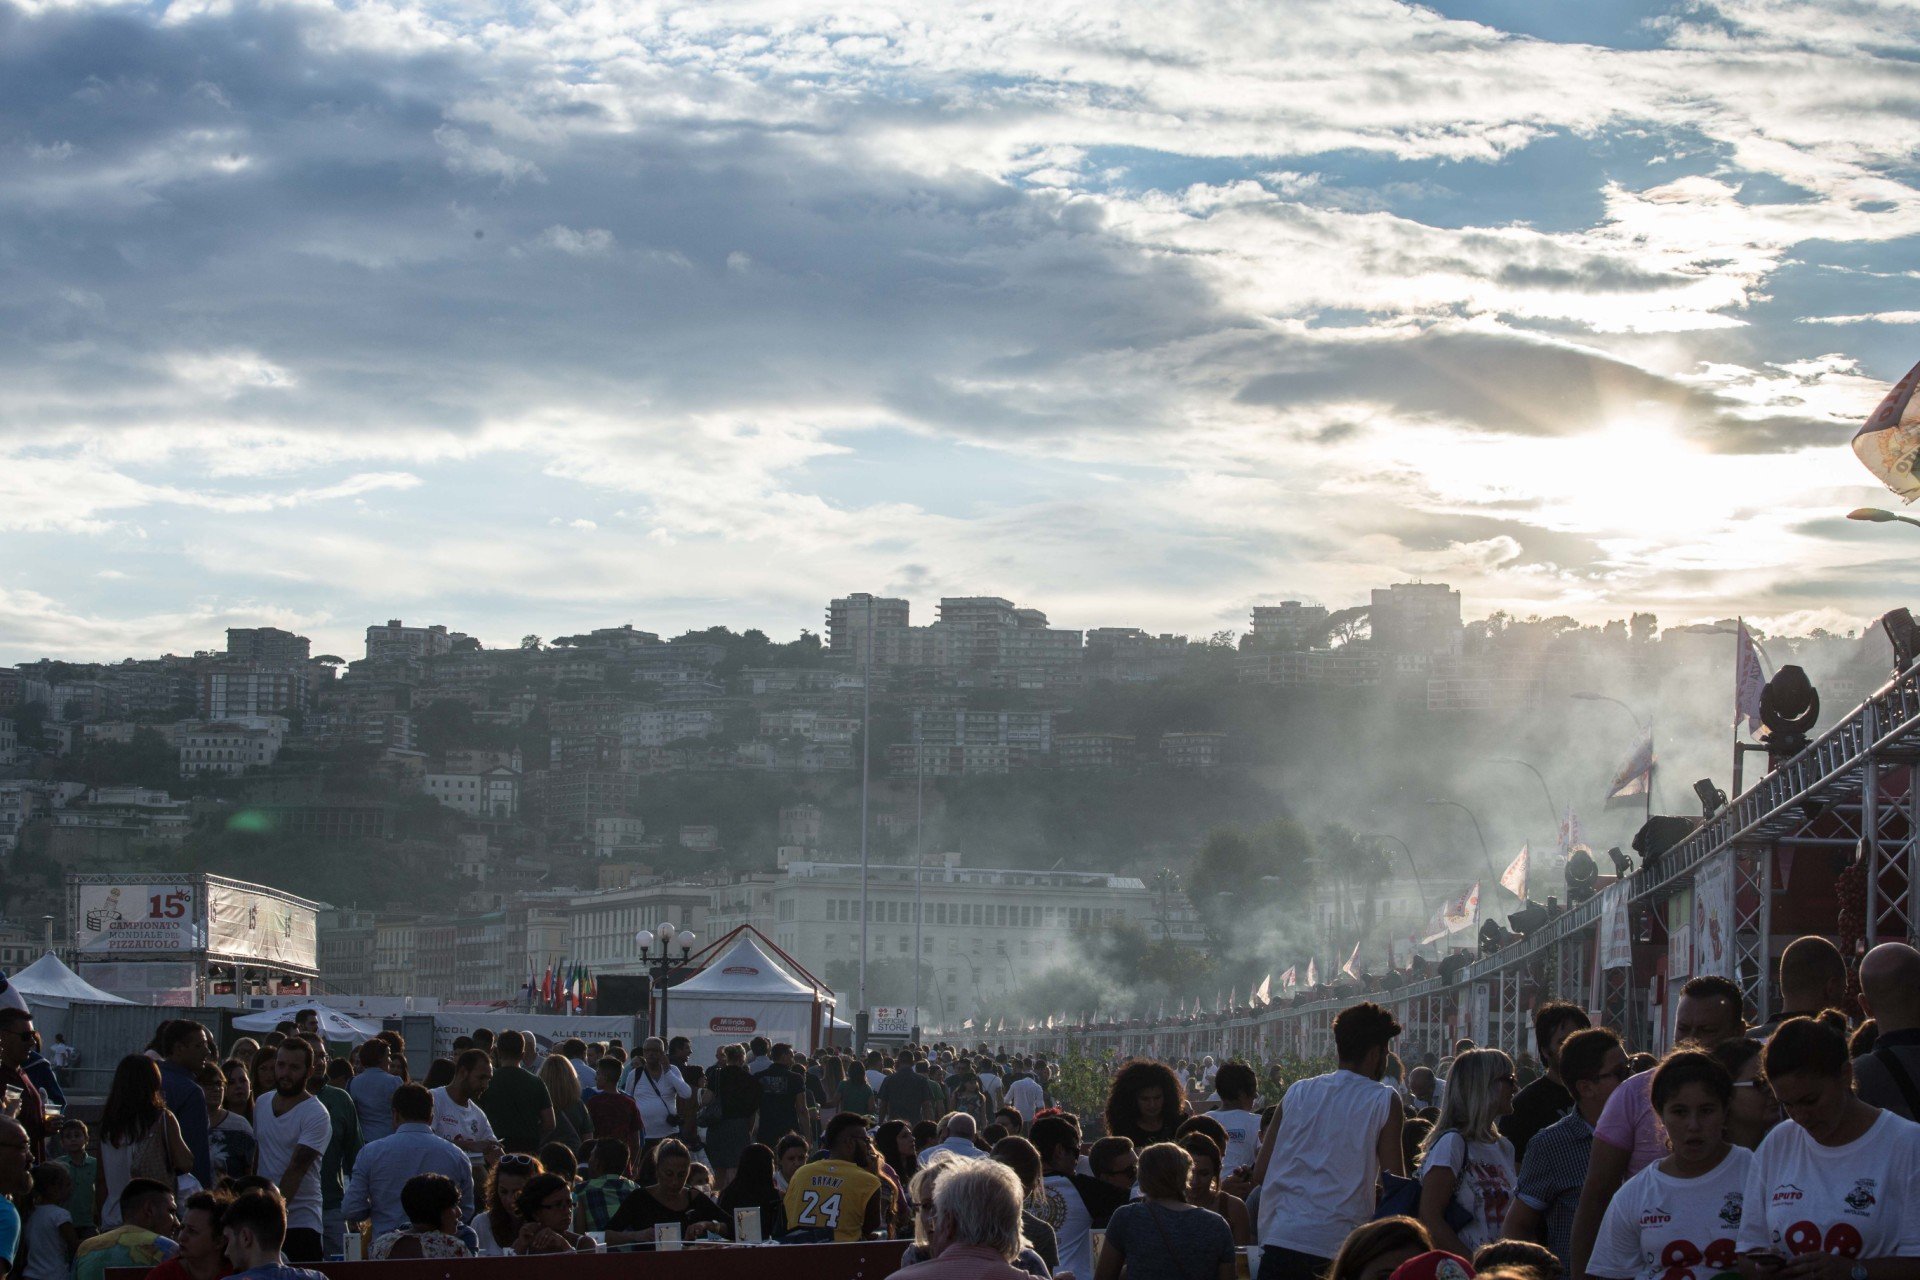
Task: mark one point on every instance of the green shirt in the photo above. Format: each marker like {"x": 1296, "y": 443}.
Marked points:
{"x": 80, "y": 1204}
{"x": 513, "y": 1103}
{"x": 337, "y": 1161}
{"x": 855, "y": 1096}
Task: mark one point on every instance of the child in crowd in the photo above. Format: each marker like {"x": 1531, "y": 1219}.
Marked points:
{"x": 51, "y": 1238}
{"x": 606, "y": 1188}
{"x": 83, "y": 1169}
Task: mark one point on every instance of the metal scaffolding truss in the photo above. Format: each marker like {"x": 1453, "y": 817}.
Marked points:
{"x": 1859, "y": 783}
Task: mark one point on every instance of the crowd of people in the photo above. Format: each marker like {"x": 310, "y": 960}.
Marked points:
{"x": 1785, "y": 1151}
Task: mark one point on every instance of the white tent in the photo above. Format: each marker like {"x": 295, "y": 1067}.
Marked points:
{"x": 335, "y": 1026}
{"x": 743, "y": 992}
{"x": 49, "y": 982}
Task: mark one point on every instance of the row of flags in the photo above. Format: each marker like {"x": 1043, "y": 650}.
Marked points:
{"x": 568, "y": 989}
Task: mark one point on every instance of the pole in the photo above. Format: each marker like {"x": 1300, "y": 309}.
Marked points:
{"x": 866, "y": 760}
{"x": 1553, "y": 810}
{"x": 919, "y": 867}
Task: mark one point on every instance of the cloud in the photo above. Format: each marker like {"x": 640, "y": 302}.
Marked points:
{"x": 1873, "y": 317}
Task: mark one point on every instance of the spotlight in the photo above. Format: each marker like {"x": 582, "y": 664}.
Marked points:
{"x": 1580, "y": 873}
{"x": 1622, "y": 864}
{"x": 1493, "y": 937}
{"x": 1529, "y": 917}
{"x": 1712, "y": 798}
{"x": 1790, "y": 704}
{"x": 1904, "y": 635}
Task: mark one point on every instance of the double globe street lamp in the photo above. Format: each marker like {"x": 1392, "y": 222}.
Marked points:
{"x": 660, "y": 963}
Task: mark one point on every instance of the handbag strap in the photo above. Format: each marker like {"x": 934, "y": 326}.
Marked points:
{"x": 1901, "y": 1080}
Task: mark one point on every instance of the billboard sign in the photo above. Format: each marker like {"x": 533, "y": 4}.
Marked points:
{"x": 252, "y": 924}
{"x": 134, "y": 917}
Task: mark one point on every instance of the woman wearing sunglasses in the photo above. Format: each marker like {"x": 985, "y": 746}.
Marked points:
{"x": 1466, "y": 1167}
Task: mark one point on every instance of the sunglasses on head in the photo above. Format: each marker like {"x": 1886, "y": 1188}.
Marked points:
{"x": 516, "y": 1164}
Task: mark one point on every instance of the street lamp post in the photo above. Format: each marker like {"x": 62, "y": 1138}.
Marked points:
{"x": 659, "y": 963}
{"x": 866, "y": 758}
{"x": 1413, "y": 866}
{"x": 1553, "y": 810}
{"x": 919, "y": 862}
{"x": 1875, "y": 515}
{"x": 1485, "y": 851}
{"x": 1644, "y": 725}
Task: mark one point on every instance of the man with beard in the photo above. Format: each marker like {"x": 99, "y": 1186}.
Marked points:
{"x": 293, "y": 1129}
{"x": 457, "y": 1116}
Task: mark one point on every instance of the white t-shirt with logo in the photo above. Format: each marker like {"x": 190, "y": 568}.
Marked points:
{"x": 1243, "y": 1138}
{"x": 1066, "y": 1212}
{"x": 460, "y": 1120}
{"x": 657, "y": 1100}
{"x": 306, "y": 1124}
{"x": 1660, "y": 1226}
{"x": 1855, "y": 1200}
{"x": 1483, "y": 1182}
{"x": 1027, "y": 1096}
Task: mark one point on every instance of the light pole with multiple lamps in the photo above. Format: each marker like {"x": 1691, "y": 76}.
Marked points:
{"x": 659, "y": 963}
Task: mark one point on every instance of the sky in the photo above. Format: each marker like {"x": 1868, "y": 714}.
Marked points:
{"x": 531, "y": 317}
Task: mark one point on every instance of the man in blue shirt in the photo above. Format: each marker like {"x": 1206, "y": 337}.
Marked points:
{"x": 383, "y": 1167}
{"x": 184, "y": 1049}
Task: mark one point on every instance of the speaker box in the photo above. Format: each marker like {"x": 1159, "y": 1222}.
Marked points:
{"x": 621, "y": 994}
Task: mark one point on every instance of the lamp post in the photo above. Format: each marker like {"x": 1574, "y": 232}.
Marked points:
{"x": 1413, "y": 866}
{"x": 659, "y": 963}
{"x": 1484, "y": 850}
{"x": 1645, "y": 726}
{"x": 866, "y": 758}
{"x": 919, "y": 865}
{"x": 1553, "y": 810}
{"x": 1875, "y": 515}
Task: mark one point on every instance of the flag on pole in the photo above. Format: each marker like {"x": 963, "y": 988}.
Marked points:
{"x": 1348, "y": 968}
{"x": 1313, "y": 973}
{"x": 1514, "y": 878}
{"x": 1572, "y": 833}
{"x": 1263, "y": 994}
{"x": 1888, "y": 443}
{"x": 1290, "y": 979}
{"x": 546, "y": 985}
{"x": 1454, "y": 915}
{"x": 1749, "y": 678}
{"x": 1633, "y": 778}
{"x": 967, "y": 1025}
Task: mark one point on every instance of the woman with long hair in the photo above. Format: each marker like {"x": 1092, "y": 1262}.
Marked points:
{"x": 1204, "y": 1190}
{"x": 1681, "y": 1212}
{"x": 752, "y": 1187}
{"x": 497, "y": 1226}
{"x": 1374, "y": 1249}
{"x": 571, "y": 1124}
{"x": 545, "y": 1210}
{"x": 229, "y": 1134}
{"x": 899, "y": 1161}
{"x": 260, "y": 1072}
{"x": 1162, "y": 1236}
{"x": 239, "y": 1096}
{"x": 139, "y": 1138}
{"x": 1466, "y": 1167}
{"x": 668, "y": 1199}
{"x": 832, "y": 1076}
{"x": 1145, "y": 1103}
{"x": 1833, "y": 1187}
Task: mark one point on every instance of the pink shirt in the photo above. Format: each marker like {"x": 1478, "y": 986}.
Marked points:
{"x": 963, "y": 1262}
{"x": 1630, "y": 1123}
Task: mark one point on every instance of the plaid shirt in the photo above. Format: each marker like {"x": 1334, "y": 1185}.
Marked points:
{"x": 600, "y": 1198}
{"x": 1551, "y": 1176}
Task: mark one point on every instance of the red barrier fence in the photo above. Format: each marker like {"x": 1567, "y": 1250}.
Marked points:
{"x": 870, "y": 1261}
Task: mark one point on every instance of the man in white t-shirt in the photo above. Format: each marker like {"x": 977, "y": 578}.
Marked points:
{"x": 1238, "y": 1088}
{"x": 990, "y": 1082}
{"x": 292, "y": 1129}
{"x": 876, "y": 1070}
{"x": 1061, "y": 1204}
{"x": 457, "y": 1116}
{"x": 1322, "y": 1156}
{"x": 663, "y": 1096}
{"x": 1028, "y": 1094}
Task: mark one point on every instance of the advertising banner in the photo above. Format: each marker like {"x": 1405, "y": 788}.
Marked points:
{"x": 135, "y": 917}
{"x": 1616, "y": 936}
{"x": 265, "y": 927}
{"x": 889, "y": 1020}
{"x": 1713, "y": 916}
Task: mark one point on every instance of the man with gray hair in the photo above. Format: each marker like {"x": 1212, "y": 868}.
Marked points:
{"x": 957, "y": 1132}
{"x": 1889, "y": 1076}
{"x": 975, "y": 1232}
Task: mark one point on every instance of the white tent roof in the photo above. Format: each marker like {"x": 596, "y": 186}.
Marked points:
{"x": 334, "y": 1025}
{"x": 49, "y": 981}
{"x": 744, "y": 971}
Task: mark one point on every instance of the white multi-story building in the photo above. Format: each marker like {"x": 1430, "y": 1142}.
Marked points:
{"x": 1417, "y": 618}
{"x": 601, "y": 925}
{"x": 615, "y": 836}
{"x": 251, "y": 689}
{"x": 230, "y": 746}
{"x": 659, "y": 726}
{"x": 494, "y": 793}
{"x": 983, "y": 931}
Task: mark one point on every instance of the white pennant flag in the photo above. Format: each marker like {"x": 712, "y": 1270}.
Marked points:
{"x": 1749, "y": 678}
{"x": 1454, "y": 915}
{"x": 1290, "y": 979}
{"x": 1348, "y": 968}
{"x": 1313, "y": 973}
{"x": 1514, "y": 878}
{"x": 1263, "y": 994}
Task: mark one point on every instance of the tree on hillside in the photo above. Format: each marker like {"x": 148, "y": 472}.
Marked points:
{"x": 1240, "y": 870}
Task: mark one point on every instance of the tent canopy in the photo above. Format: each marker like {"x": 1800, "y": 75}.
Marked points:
{"x": 48, "y": 981}
{"x": 334, "y": 1025}
{"x": 744, "y": 972}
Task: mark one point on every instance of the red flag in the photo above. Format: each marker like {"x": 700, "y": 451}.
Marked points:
{"x": 546, "y": 986}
